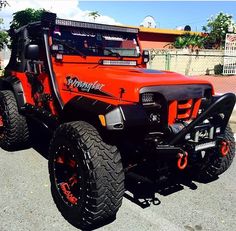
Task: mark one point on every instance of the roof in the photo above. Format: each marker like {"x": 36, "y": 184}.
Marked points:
{"x": 165, "y": 31}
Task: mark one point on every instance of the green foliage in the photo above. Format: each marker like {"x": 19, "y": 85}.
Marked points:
{"x": 217, "y": 27}
{"x": 94, "y": 15}
{"x": 189, "y": 41}
{"x": 218, "y": 69}
{"x": 23, "y": 17}
{"x": 3, "y": 37}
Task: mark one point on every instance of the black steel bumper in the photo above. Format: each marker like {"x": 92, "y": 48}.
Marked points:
{"x": 217, "y": 113}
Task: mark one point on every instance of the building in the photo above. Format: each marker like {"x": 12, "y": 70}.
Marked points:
{"x": 155, "y": 38}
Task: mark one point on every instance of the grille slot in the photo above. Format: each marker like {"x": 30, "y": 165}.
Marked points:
{"x": 184, "y": 109}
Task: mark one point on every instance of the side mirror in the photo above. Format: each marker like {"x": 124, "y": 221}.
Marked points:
{"x": 32, "y": 52}
{"x": 145, "y": 56}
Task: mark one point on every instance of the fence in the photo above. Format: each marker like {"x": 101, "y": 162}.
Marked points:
{"x": 203, "y": 62}
{"x": 230, "y": 55}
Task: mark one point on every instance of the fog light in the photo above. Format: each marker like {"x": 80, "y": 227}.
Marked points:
{"x": 155, "y": 118}
{"x": 147, "y": 98}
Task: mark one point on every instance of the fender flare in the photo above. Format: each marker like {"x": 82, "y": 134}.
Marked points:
{"x": 117, "y": 117}
{"x": 14, "y": 84}
{"x": 84, "y": 108}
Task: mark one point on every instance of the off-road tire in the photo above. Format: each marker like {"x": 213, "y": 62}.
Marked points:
{"x": 14, "y": 134}
{"x": 215, "y": 164}
{"x": 102, "y": 175}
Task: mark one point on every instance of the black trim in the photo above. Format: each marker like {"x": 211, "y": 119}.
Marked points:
{"x": 52, "y": 77}
{"x": 14, "y": 84}
{"x": 180, "y": 92}
{"x": 220, "y": 105}
{"x": 117, "y": 117}
{"x": 85, "y": 108}
{"x": 95, "y": 26}
{"x": 42, "y": 116}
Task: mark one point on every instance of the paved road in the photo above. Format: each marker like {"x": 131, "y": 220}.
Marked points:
{"x": 26, "y": 203}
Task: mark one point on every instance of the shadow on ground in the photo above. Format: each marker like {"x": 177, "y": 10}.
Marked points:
{"x": 143, "y": 192}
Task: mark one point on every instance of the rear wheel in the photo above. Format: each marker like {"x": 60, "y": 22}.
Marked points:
{"x": 215, "y": 163}
{"x": 14, "y": 133}
{"x": 87, "y": 178}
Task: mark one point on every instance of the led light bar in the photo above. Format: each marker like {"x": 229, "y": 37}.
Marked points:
{"x": 119, "y": 62}
{"x": 88, "y": 25}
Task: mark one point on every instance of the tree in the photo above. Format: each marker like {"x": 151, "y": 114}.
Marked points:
{"x": 217, "y": 27}
{"x": 23, "y": 17}
{"x": 3, "y": 36}
{"x": 192, "y": 41}
{"x": 94, "y": 15}
{"x": 3, "y": 39}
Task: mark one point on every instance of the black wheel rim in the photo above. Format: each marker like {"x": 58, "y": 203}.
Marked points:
{"x": 67, "y": 176}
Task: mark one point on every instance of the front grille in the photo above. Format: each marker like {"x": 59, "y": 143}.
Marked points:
{"x": 183, "y": 110}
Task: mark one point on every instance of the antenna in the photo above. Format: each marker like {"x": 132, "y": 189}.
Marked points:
{"x": 148, "y": 22}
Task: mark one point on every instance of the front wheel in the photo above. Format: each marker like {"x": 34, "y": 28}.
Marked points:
{"x": 87, "y": 177}
{"x": 215, "y": 163}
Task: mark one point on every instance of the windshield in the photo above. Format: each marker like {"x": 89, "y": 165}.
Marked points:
{"x": 96, "y": 43}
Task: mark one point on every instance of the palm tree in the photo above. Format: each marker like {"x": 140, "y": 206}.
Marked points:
{"x": 94, "y": 15}
{"x": 3, "y": 3}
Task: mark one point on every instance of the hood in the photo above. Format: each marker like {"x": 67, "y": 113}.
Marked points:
{"x": 111, "y": 81}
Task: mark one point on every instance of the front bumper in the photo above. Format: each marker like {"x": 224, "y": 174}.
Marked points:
{"x": 217, "y": 114}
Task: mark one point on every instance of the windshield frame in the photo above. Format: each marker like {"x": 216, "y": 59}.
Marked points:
{"x": 129, "y": 35}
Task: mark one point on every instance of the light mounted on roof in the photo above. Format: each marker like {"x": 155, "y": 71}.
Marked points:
{"x": 119, "y": 62}
{"x": 64, "y": 22}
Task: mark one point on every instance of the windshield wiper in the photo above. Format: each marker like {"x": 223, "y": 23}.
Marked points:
{"x": 111, "y": 52}
{"x": 70, "y": 47}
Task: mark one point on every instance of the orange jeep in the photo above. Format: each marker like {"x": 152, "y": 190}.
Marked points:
{"x": 108, "y": 115}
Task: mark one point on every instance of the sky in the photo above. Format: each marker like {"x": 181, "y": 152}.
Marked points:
{"x": 166, "y": 14}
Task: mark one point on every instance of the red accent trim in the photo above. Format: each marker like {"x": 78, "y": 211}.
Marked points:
{"x": 186, "y": 105}
{"x": 172, "y": 112}
{"x": 196, "y": 108}
{"x": 73, "y": 180}
{"x": 72, "y": 163}
{"x": 1, "y": 121}
{"x": 67, "y": 192}
{"x": 224, "y": 148}
{"x": 61, "y": 160}
{"x": 182, "y": 161}
{"x": 183, "y": 111}
{"x": 185, "y": 108}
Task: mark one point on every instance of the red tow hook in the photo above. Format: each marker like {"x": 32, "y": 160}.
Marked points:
{"x": 224, "y": 147}
{"x": 182, "y": 160}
